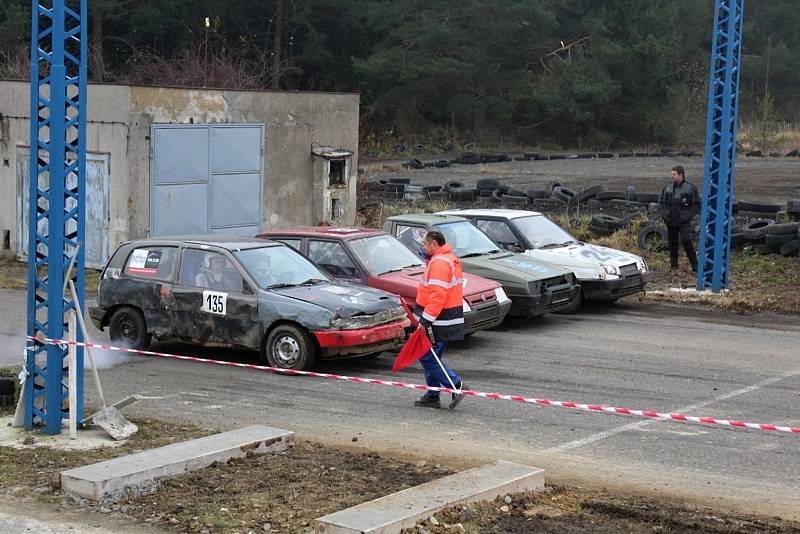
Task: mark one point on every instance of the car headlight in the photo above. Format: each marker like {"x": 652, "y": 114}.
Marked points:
{"x": 610, "y": 269}
{"x": 465, "y": 306}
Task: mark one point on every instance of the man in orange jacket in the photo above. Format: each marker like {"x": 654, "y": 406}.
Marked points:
{"x": 440, "y": 313}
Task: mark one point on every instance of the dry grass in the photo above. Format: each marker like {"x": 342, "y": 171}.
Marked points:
{"x": 14, "y": 275}
{"x": 777, "y": 137}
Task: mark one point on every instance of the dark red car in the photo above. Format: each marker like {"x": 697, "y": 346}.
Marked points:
{"x": 376, "y": 259}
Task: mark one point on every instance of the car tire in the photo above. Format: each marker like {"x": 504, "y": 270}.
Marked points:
{"x": 453, "y": 184}
{"x": 790, "y": 248}
{"x": 515, "y": 201}
{"x": 399, "y": 180}
{"x": 754, "y": 231}
{"x": 652, "y": 238}
{"x": 758, "y": 207}
{"x": 590, "y": 192}
{"x": 6, "y": 385}
{"x": 565, "y": 194}
{"x": 127, "y": 328}
{"x": 594, "y": 204}
{"x": 533, "y": 194}
{"x": 793, "y": 206}
{"x": 461, "y": 194}
{"x": 626, "y": 204}
{"x": 784, "y": 228}
{"x": 647, "y": 198}
{"x": 290, "y": 347}
{"x": 610, "y": 195}
{"x": 487, "y": 183}
{"x": 776, "y": 241}
{"x": 601, "y": 220}
{"x": 762, "y": 249}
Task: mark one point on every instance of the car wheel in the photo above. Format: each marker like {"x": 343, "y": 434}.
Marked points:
{"x": 289, "y": 347}
{"x": 128, "y": 328}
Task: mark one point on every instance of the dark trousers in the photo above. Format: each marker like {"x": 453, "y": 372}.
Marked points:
{"x": 681, "y": 235}
{"x": 434, "y": 375}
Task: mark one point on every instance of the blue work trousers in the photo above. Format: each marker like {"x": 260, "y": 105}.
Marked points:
{"x": 433, "y": 373}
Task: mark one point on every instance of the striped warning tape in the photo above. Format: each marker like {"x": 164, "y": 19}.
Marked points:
{"x": 649, "y": 414}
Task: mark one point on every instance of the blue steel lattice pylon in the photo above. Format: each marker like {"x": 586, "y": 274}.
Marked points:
{"x": 713, "y": 269}
{"x": 56, "y": 208}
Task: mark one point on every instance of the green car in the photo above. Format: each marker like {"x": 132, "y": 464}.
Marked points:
{"x": 534, "y": 286}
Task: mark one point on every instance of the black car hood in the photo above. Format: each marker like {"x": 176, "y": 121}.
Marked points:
{"x": 345, "y": 300}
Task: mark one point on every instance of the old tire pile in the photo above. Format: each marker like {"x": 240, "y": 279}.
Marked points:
{"x": 782, "y": 238}
{"x": 7, "y": 391}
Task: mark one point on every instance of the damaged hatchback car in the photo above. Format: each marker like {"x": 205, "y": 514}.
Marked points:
{"x": 245, "y": 292}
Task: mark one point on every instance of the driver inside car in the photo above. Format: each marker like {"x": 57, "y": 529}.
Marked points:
{"x": 213, "y": 276}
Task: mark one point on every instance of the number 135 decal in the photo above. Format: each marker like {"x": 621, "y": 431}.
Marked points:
{"x": 214, "y": 302}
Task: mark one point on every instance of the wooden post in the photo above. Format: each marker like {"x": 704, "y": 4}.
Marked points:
{"x": 73, "y": 375}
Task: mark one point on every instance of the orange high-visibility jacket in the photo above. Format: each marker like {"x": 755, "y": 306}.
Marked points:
{"x": 440, "y": 296}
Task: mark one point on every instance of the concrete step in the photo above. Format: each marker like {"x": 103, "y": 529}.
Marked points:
{"x": 140, "y": 472}
{"x": 392, "y": 513}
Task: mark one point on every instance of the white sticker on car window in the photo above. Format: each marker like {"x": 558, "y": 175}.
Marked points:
{"x": 144, "y": 262}
{"x": 215, "y": 302}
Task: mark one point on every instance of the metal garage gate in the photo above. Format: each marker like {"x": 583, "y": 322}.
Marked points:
{"x": 206, "y": 179}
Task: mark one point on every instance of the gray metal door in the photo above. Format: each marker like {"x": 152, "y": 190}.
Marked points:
{"x": 206, "y": 179}
{"x": 97, "y": 172}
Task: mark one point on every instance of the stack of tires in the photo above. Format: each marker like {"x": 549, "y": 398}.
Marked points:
{"x": 768, "y": 237}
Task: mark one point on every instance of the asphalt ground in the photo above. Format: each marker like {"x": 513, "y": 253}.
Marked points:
{"x": 667, "y": 358}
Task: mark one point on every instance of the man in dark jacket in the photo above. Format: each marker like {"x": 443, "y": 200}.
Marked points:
{"x": 680, "y": 202}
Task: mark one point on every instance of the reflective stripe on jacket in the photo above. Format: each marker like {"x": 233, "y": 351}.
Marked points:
{"x": 440, "y": 296}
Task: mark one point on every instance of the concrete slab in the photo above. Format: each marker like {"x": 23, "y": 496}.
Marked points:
{"x": 140, "y": 472}
{"x": 19, "y": 438}
{"x": 392, "y": 513}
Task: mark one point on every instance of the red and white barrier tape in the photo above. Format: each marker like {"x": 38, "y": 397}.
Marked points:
{"x": 649, "y": 414}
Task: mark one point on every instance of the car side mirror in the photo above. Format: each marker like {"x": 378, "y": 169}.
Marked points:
{"x": 246, "y": 289}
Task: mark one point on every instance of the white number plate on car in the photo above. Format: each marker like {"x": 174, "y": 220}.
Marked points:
{"x": 215, "y": 302}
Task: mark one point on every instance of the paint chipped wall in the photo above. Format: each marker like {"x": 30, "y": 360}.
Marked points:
{"x": 119, "y": 123}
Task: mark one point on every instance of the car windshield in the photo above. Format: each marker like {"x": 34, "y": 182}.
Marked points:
{"x": 542, "y": 232}
{"x": 279, "y": 266}
{"x": 383, "y": 254}
{"x": 466, "y": 239}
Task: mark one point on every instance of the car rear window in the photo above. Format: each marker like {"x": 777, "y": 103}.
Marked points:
{"x": 154, "y": 263}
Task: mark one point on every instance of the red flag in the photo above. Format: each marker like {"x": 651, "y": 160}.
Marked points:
{"x": 414, "y": 349}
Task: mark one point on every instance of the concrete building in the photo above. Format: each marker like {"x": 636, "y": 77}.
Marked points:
{"x": 166, "y": 161}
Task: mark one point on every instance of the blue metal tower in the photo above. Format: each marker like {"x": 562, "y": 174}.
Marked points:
{"x": 57, "y": 178}
{"x": 720, "y": 153}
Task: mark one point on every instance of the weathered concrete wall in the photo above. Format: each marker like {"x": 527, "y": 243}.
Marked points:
{"x": 119, "y": 124}
{"x": 106, "y": 133}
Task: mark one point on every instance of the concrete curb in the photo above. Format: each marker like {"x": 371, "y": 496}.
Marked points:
{"x": 140, "y": 472}
{"x": 392, "y": 513}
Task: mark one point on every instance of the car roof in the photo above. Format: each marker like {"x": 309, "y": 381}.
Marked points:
{"x": 324, "y": 231}
{"x": 500, "y": 212}
{"x": 223, "y": 241}
{"x": 427, "y": 218}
